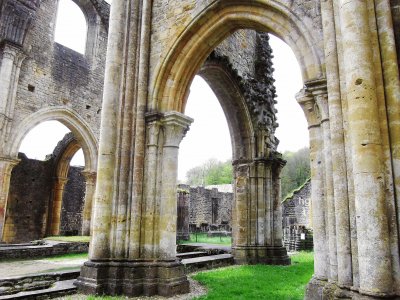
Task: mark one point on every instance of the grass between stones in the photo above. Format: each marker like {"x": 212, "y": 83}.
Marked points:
{"x": 259, "y": 281}
{"x": 69, "y": 256}
{"x": 203, "y": 238}
{"x": 83, "y": 239}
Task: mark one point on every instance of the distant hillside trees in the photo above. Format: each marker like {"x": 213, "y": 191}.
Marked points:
{"x": 210, "y": 173}
{"x": 294, "y": 174}
{"x": 296, "y": 171}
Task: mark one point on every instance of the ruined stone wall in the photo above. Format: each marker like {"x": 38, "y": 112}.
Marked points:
{"x": 53, "y": 75}
{"x": 296, "y": 210}
{"x": 296, "y": 220}
{"x": 203, "y": 203}
{"x": 73, "y": 201}
{"x": 29, "y": 198}
{"x": 30, "y": 195}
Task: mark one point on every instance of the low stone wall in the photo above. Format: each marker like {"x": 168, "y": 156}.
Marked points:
{"x": 51, "y": 249}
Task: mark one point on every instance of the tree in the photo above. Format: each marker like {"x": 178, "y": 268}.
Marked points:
{"x": 210, "y": 173}
{"x": 296, "y": 171}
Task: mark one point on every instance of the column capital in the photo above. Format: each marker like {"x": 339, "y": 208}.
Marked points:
{"x": 175, "y": 127}
{"x": 61, "y": 180}
{"x": 12, "y": 52}
{"x": 307, "y": 102}
{"x": 90, "y": 176}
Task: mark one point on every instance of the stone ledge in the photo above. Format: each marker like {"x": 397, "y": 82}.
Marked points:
{"x": 133, "y": 278}
{"x": 260, "y": 255}
{"x": 320, "y": 289}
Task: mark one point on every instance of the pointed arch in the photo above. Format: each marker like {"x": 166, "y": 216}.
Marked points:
{"x": 214, "y": 24}
{"x": 70, "y": 119}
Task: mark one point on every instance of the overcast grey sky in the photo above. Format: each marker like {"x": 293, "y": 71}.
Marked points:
{"x": 209, "y": 135}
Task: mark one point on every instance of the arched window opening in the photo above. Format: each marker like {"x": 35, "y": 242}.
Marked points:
{"x": 78, "y": 160}
{"x": 208, "y": 137}
{"x": 46, "y": 186}
{"x": 71, "y": 26}
{"x": 205, "y": 162}
{"x": 42, "y": 139}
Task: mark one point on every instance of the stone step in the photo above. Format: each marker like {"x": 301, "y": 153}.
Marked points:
{"x": 12, "y": 286}
{"x": 187, "y": 255}
{"x": 207, "y": 262}
{"x": 59, "y": 288}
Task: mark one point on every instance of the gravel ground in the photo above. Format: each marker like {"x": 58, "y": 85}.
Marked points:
{"x": 196, "y": 290}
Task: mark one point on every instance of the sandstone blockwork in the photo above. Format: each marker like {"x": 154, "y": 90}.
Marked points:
{"x": 32, "y": 194}
{"x": 348, "y": 56}
{"x": 297, "y": 220}
{"x": 202, "y": 210}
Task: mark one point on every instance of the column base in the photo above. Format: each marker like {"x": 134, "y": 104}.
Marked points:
{"x": 260, "y": 255}
{"x": 133, "y": 278}
{"x": 321, "y": 289}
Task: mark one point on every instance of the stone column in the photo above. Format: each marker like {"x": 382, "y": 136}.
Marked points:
{"x": 90, "y": 179}
{"x": 341, "y": 198}
{"x": 257, "y": 216}
{"x": 11, "y": 60}
{"x": 6, "y": 166}
{"x": 366, "y": 142}
{"x": 278, "y": 164}
{"x": 307, "y": 103}
{"x": 321, "y": 97}
{"x": 55, "y": 213}
{"x": 175, "y": 126}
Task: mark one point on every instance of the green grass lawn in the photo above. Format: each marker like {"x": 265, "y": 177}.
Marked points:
{"x": 259, "y": 281}
{"x": 84, "y": 239}
{"x": 68, "y": 256}
{"x": 203, "y": 238}
{"x": 253, "y": 282}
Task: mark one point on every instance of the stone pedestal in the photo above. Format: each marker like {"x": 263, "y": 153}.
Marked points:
{"x": 134, "y": 278}
{"x": 269, "y": 255}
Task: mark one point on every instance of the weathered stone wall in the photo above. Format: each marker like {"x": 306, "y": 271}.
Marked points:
{"x": 54, "y": 75}
{"x": 208, "y": 207}
{"x": 395, "y": 7}
{"x": 73, "y": 201}
{"x": 297, "y": 220}
{"x": 30, "y": 196}
{"x": 296, "y": 210}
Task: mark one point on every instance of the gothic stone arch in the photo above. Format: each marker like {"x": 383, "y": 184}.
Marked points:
{"x": 41, "y": 79}
{"x": 353, "y": 115}
{"x": 153, "y": 135}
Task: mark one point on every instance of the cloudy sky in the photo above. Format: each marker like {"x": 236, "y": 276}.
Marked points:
{"x": 209, "y": 135}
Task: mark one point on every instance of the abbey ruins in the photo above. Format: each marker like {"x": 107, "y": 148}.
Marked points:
{"x": 127, "y": 114}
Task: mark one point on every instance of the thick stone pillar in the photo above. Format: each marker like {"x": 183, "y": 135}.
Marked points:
{"x": 257, "y": 216}
{"x": 366, "y": 143}
{"x": 90, "y": 180}
{"x": 321, "y": 258}
{"x": 339, "y": 173}
{"x": 6, "y": 166}
{"x": 56, "y": 205}
{"x": 156, "y": 270}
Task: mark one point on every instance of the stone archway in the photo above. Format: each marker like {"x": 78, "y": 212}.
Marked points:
{"x": 352, "y": 137}
{"x": 84, "y": 139}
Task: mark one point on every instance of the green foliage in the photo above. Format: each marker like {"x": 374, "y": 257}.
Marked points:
{"x": 203, "y": 238}
{"x": 210, "y": 173}
{"x": 296, "y": 172}
{"x": 259, "y": 281}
